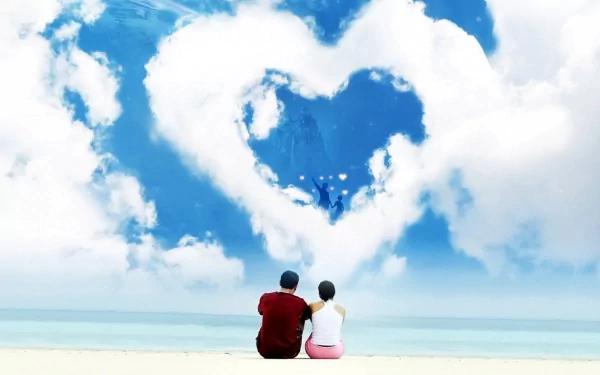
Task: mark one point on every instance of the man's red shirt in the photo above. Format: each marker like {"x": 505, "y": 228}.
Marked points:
{"x": 283, "y": 317}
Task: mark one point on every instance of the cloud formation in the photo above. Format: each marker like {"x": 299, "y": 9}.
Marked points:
{"x": 64, "y": 213}
{"x": 509, "y": 155}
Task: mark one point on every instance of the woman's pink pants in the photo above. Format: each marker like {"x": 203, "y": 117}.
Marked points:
{"x": 323, "y": 352}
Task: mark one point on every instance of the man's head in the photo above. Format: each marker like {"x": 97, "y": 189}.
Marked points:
{"x": 325, "y": 185}
{"x": 289, "y": 280}
{"x": 326, "y": 290}
{"x": 340, "y": 198}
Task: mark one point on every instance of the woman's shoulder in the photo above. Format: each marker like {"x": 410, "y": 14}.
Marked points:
{"x": 341, "y": 309}
{"x": 316, "y": 306}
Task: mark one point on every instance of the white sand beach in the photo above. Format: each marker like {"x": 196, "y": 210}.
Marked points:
{"x": 88, "y": 362}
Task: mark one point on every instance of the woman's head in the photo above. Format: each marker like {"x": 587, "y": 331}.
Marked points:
{"x": 326, "y": 290}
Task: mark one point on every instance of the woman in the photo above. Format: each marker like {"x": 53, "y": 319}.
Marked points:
{"x": 327, "y": 318}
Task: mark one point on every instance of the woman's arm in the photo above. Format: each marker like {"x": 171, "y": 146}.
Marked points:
{"x": 341, "y": 311}
{"x": 315, "y": 306}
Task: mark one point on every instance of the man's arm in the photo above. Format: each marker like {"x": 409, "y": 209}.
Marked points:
{"x": 316, "y": 185}
{"x": 261, "y": 305}
{"x": 307, "y": 313}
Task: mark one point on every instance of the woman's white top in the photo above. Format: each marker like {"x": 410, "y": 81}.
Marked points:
{"x": 326, "y": 325}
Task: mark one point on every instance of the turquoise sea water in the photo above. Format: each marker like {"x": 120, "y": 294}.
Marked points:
{"x": 385, "y": 336}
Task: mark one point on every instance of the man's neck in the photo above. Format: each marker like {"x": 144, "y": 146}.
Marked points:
{"x": 289, "y": 291}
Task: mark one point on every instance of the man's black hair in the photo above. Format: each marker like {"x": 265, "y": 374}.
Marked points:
{"x": 289, "y": 280}
{"x": 326, "y": 290}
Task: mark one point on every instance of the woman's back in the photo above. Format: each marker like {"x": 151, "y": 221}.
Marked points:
{"x": 327, "y": 319}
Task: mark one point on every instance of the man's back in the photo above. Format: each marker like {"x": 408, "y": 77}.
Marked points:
{"x": 324, "y": 195}
{"x": 283, "y": 317}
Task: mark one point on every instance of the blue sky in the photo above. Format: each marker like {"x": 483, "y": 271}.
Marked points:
{"x": 354, "y": 123}
{"x": 466, "y": 220}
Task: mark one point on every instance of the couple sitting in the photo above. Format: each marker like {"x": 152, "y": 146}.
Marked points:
{"x": 283, "y": 318}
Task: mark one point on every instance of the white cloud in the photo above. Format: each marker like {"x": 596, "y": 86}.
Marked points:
{"x": 202, "y": 262}
{"x": 297, "y": 194}
{"x": 393, "y": 266}
{"x": 267, "y": 110}
{"x": 519, "y": 133}
{"x": 62, "y": 218}
{"x": 401, "y": 86}
{"x": 67, "y": 31}
{"x": 89, "y": 10}
{"x": 397, "y": 82}
{"x": 126, "y": 199}
{"x": 279, "y": 79}
{"x": 75, "y": 67}
{"x": 535, "y": 194}
{"x": 375, "y": 76}
{"x": 284, "y": 43}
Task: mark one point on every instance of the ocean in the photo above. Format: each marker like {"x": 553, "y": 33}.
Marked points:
{"x": 382, "y": 336}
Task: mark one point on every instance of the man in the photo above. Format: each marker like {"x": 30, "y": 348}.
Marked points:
{"x": 283, "y": 318}
{"x": 324, "y": 201}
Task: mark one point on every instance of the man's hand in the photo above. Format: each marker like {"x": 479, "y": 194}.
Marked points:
{"x": 316, "y": 185}
{"x": 307, "y": 313}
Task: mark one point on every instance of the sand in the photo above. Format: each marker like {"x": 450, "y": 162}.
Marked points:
{"x": 67, "y": 362}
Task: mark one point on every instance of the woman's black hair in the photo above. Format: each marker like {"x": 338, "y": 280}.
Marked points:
{"x": 326, "y": 290}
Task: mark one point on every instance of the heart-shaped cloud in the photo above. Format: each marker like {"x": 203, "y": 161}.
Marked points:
{"x": 476, "y": 122}
{"x": 204, "y": 123}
